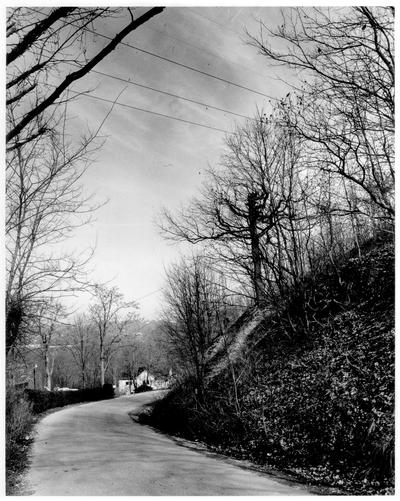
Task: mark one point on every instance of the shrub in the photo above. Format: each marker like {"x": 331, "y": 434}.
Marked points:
{"x": 108, "y": 390}
{"x": 42, "y": 400}
{"x": 19, "y": 422}
{"x": 143, "y": 387}
{"x": 333, "y": 400}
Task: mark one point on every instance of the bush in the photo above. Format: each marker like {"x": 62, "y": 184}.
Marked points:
{"x": 108, "y": 390}
{"x": 333, "y": 401}
{"x": 42, "y": 400}
{"x": 143, "y": 387}
{"x": 19, "y": 422}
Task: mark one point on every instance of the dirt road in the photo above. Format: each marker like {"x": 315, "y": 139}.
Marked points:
{"x": 96, "y": 449}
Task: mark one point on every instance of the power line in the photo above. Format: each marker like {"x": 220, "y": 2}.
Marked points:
{"x": 161, "y": 91}
{"x": 172, "y": 61}
{"x": 182, "y": 65}
{"x": 147, "y": 111}
{"x": 171, "y": 94}
{"x": 205, "y": 49}
{"x": 149, "y": 294}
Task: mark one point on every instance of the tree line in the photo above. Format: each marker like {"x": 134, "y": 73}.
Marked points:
{"x": 108, "y": 342}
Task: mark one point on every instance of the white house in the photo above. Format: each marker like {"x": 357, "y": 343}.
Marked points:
{"x": 127, "y": 386}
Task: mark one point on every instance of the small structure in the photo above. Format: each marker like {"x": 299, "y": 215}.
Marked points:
{"x": 157, "y": 382}
{"x": 145, "y": 377}
{"x": 125, "y": 386}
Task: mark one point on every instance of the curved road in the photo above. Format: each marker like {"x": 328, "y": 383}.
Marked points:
{"x": 97, "y": 449}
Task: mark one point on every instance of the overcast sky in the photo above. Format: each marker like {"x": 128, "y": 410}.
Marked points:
{"x": 150, "y": 161}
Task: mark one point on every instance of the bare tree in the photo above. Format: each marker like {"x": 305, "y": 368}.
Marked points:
{"x": 246, "y": 202}
{"x": 80, "y": 343}
{"x": 45, "y": 203}
{"x": 46, "y": 324}
{"x": 107, "y": 312}
{"x": 129, "y": 361}
{"x": 344, "y": 109}
{"x": 195, "y": 310}
{"x": 48, "y": 49}
{"x": 43, "y": 47}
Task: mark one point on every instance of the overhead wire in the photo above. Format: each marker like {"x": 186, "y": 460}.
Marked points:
{"x": 203, "y": 49}
{"x": 164, "y": 115}
{"x": 172, "y": 61}
{"x": 165, "y": 92}
{"x": 149, "y": 294}
{"x": 177, "y": 63}
{"x": 206, "y": 105}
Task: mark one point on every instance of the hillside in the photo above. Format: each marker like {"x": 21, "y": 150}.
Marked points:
{"x": 317, "y": 401}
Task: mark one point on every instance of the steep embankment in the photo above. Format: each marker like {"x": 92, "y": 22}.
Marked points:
{"x": 318, "y": 402}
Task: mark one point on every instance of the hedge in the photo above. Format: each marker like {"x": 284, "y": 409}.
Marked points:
{"x": 42, "y": 400}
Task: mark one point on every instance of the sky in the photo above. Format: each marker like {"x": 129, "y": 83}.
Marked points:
{"x": 149, "y": 162}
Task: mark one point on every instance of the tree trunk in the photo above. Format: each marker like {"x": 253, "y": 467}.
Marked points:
{"x": 102, "y": 363}
{"x": 48, "y": 367}
{"x": 83, "y": 375}
{"x": 256, "y": 254}
{"x": 83, "y": 363}
{"x": 102, "y": 369}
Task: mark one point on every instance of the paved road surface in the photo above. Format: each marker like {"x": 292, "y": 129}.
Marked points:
{"x": 96, "y": 449}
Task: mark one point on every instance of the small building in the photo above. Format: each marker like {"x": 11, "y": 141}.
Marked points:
{"x": 144, "y": 377}
{"x": 156, "y": 382}
{"x": 125, "y": 386}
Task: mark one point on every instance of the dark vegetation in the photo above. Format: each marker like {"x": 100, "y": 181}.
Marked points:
{"x": 22, "y": 411}
{"x": 19, "y": 422}
{"x": 42, "y": 400}
{"x": 143, "y": 387}
{"x": 318, "y": 399}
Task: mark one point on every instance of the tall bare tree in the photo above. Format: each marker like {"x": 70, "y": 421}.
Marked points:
{"x": 45, "y": 200}
{"x": 45, "y": 203}
{"x": 195, "y": 312}
{"x": 244, "y": 203}
{"x": 80, "y": 343}
{"x": 344, "y": 108}
{"x": 46, "y": 325}
{"x": 111, "y": 315}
